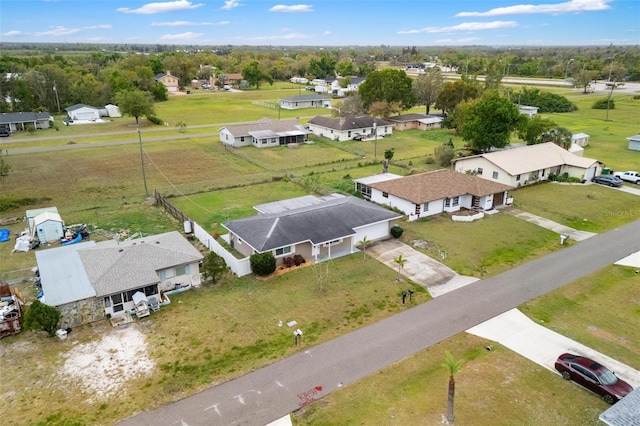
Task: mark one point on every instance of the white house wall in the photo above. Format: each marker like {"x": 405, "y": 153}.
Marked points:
{"x": 227, "y": 138}
{"x": 488, "y": 168}
{"x": 373, "y": 232}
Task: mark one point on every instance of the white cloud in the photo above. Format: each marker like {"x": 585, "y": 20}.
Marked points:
{"x": 187, "y": 24}
{"x": 12, "y": 33}
{"x": 572, "y": 6}
{"x": 326, "y": 32}
{"x": 98, "y": 27}
{"x": 58, "y": 31}
{"x": 467, "y": 26}
{"x": 169, "y": 6}
{"x": 296, "y": 8}
{"x": 230, "y": 4}
{"x": 288, "y": 36}
{"x": 184, "y": 36}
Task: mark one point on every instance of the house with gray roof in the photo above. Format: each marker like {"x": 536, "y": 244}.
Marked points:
{"x": 350, "y": 127}
{"x": 82, "y": 112}
{"x": 316, "y": 228}
{"x": 88, "y": 281}
{"x": 13, "y": 121}
{"x": 305, "y": 101}
{"x": 625, "y": 412}
{"x": 416, "y": 121}
{"x": 528, "y": 164}
{"x": 427, "y": 194}
{"x": 264, "y": 133}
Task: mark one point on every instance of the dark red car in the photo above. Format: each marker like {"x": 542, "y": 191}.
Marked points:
{"x": 593, "y": 376}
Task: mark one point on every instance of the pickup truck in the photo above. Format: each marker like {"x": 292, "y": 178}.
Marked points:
{"x": 633, "y": 177}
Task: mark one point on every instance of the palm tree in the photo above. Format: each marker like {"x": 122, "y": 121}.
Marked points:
{"x": 364, "y": 242}
{"x": 400, "y": 261}
{"x": 452, "y": 367}
{"x": 181, "y": 125}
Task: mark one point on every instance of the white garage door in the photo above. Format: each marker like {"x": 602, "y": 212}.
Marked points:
{"x": 86, "y": 116}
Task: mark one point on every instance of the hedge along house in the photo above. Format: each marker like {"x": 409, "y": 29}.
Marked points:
{"x": 89, "y": 281}
{"x": 431, "y": 193}
{"x": 317, "y": 228}
{"x": 264, "y": 133}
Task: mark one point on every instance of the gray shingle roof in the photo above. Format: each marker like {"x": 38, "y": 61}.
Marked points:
{"x": 439, "y": 184}
{"x": 113, "y": 267}
{"x": 625, "y": 412}
{"x": 23, "y": 117}
{"x": 331, "y": 220}
{"x": 266, "y": 124}
{"x": 348, "y": 123}
{"x": 301, "y": 98}
{"x": 79, "y": 106}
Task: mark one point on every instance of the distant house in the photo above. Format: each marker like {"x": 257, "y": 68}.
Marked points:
{"x": 634, "y": 142}
{"x": 87, "y": 281}
{"x": 352, "y": 86}
{"x": 431, "y": 193}
{"x": 580, "y": 139}
{"x": 264, "y": 133}
{"x": 416, "y": 121}
{"x": 14, "y": 121}
{"x": 528, "y": 164}
{"x": 529, "y": 111}
{"x": 350, "y": 127}
{"x": 305, "y": 101}
{"x": 81, "y": 112}
{"x": 171, "y": 82}
{"x": 316, "y": 228}
{"x": 231, "y": 79}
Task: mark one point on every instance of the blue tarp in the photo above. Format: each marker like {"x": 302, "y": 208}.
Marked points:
{"x": 4, "y": 235}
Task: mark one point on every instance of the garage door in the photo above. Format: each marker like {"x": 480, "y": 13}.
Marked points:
{"x": 590, "y": 174}
{"x": 86, "y": 116}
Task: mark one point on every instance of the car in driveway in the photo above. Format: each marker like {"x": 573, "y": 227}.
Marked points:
{"x": 629, "y": 176}
{"x": 592, "y": 376}
{"x": 608, "y": 180}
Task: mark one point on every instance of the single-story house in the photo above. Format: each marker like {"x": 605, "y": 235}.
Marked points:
{"x": 316, "y": 228}
{"x": 231, "y": 79}
{"x": 264, "y": 133}
{"x": 171, "y": 82}
{"x": 81, "y": 112}
{"x": 580, "y": 139}
{"x": 528, "y": 164}
{"x": 14, "y": 121}
{"x": 352, "y": 86}
{"x": 305, "y": 101}
{"x": 346, "y": 128}
{"x": 634, "y": 142}
{"x": 416, "y": 121}
{"x": 431, "y": 193}
{"x": 48, "y": 227}
{"x": 625, "y": 412}
{"x": 87, "y": 281}
{"x": 529, "y": 111}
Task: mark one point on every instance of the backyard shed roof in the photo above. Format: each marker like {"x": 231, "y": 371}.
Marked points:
{"x": 64, "y": 279}
{"x": 331, "y": 219}
{"x": 348, "y": 123}
{"x": 437, "y": 185}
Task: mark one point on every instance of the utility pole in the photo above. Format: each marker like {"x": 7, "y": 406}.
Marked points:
{"x": 55, "y": 89}
{"x": 613, "y": 84}
{"x": 144, "y": 177}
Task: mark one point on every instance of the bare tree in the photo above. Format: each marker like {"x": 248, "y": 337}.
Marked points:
{"x": 321, "y": 271}
{"x": 428, "y": 86}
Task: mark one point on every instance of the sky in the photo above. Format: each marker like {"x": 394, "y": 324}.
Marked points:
{"x": 324, "y": 22}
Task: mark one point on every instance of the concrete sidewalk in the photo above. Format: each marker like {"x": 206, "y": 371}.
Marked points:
{"x": 517, "y": 332}
{"x": 550, "y": 225}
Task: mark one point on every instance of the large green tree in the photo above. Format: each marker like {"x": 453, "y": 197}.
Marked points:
{"x": 389, "y": 86}
{"x": 135, "y": 103}
{"x": 455, "y": 92}
{"x": 532, "y": 129}
{"x": 489, "y": 122}
{"x": 323, "y": 67}
{"x": 428, "y": 86}
{"x": 254, "y": 75}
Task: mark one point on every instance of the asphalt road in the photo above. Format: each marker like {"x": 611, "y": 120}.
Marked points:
{"x": 272, "y": 392}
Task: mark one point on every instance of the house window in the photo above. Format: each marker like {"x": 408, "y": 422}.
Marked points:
{"x": 456, "y": 201}
{"x": 495, "y": 175}
{"x": 517, "y": 177}
{"x": 385, "y": 195}
{"x": 283, "y": 250}
{"x": 116, "y": 301}
{"x": 447, "y": 202}
{"x": 479, "y": 171}
{"x": 165, "y": 274}
{"x": 349, "y": 133}
{"x": 241, "y": 138}
{"x": 425, "y": 207}
{"x": 332, "y": 243}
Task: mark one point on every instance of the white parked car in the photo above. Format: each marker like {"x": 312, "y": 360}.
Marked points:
{"x": 629, "y": 176}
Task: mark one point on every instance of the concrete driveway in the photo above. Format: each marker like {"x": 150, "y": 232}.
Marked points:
{"x": 517, "y": 332}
